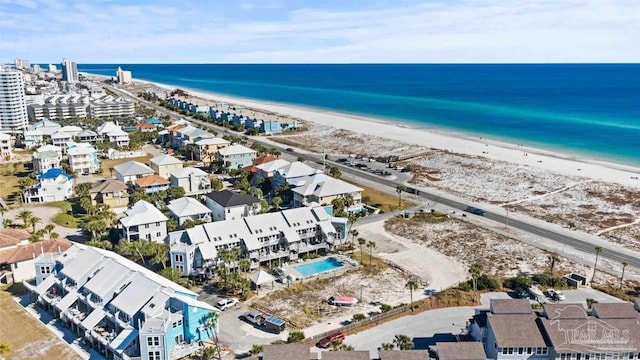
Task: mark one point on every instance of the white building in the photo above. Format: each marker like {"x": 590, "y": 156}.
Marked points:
{"x": 69, "y": 71}
{"x": 193, "y": 180}
{"x": 61, "y": 139}
{"x": 46, "y": 126}
{"x": 33, "y": 139}
{"x": 132, "y": 170}
{"x": 284, "y": 235}
{"x": 43, "y": 160}
{"x": 83, "y": 158}
{"x": 113, "y": 133}
{"x": 186, "y": 208}
{"x": 63, "y": 107}
{"x": 110, "y": 107}
{"x": 144, "y": 222}
{"x": 228, "y": 205}
{"x": 165, "y": 164}
{"x": 6, "y": 149}
{"x": 17, "y": 254}
{"x": 236, "y": 156}
{"x": 122, "y": 76}
{"x": 292, "y": 173}
{"x": 53, "y": 185}
{"x": 13, "y": 106}
{"x": 323, "y": 189}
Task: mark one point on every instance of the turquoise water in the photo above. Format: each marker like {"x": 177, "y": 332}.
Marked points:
{"x": 318, "y": 267}
{"x": 578, "y": 109}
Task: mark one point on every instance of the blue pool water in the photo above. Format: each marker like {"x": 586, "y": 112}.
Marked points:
{"x": 318, "y": 267}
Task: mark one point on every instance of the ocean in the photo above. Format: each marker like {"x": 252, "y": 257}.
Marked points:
{"x": 584, "y": 110}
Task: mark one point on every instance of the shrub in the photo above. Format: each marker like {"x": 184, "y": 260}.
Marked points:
{"x": 549, "y": 280}
{"x": 486, "y": 282}
{"x": 359, "y": 317}
{"x": 385, "y": 307}
{"x": 522, "y": 281}
{"x": 295, "y": 337}
{"x": 465, "y": 286}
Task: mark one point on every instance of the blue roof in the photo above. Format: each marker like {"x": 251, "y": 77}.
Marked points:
{"x": 274, "y": 320}
{"x": 153, "y": 121}
{"x": 54, "y": 173}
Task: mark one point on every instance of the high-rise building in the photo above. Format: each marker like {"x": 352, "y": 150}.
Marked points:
{"x": 69, "y": 71}
{"x": 53, "y": 68}
{"x": 122, "y": 76}
{"x": 21, "y": 63}
{"x": 36, "y": 68}
{"x": 13, "y": 106}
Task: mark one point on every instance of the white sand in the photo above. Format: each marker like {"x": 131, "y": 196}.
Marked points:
{"x": 536, "y": 158}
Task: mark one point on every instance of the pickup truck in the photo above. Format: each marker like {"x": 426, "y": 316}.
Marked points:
{"x": 254, "y": 318}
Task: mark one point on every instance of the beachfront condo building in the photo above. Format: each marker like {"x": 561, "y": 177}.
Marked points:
{"x": 64, "y": 107}
{"x": 123, "y": 76}
{"x": 13, "y": 106}
{"x": 69, "y": 71}
{"x": 119, "y": 308}
{"x": 284, "y": 236}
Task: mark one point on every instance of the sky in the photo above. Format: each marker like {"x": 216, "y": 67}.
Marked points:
{"x": 320, "y": 31}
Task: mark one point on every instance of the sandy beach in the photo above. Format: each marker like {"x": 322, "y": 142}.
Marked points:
{"x": 569, "y": 165}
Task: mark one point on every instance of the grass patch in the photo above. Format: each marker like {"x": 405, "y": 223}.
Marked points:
{"x": 62, "y": 205}
{"x": 9, "y": 175}
{"x": 383, "y": 201}
{"x": 108, "y": 164}
{"x": 66, "y": 220}
{"x": 32, "y": 340}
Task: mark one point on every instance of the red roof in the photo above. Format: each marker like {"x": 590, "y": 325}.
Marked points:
{"x": 264, "y": 159}
{"x": 147, "y": 125}
{"x": 32, "y": 250}
{"x": 11, "y": 237}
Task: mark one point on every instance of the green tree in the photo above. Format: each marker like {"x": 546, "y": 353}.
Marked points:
{"x": 475, "y": 271}
{"x": 295, "y": 336}
{"x": 386, "y": 346}
{"x": 5, "y": 348}
{"x": 33, "y": 221}
{"x": 595, "y": 265}
{"x": 102, "y": 244}
{"x": 175, "y": 275}
{"x": 361, "y": 242}
{"x": 174, "y": 192}
{"x": 335, "y": 172}
{"x": 553, "y": 260}
{"x": 216, "y": 184}
{"x": 137, "y": 195}
{"x": 403, "y": 342}
{"x": 132, "y": 249}
{"x": 82, "y": 189}
{"x": 158, "y": 252}
{"x": 359, "y": 317}
{"x": 412, "y": 285}
{"x": 211, "y": 323}
{"x": 24, "y": 216}
{"x": 256, "y": 349}
{"x": 371, "y": 245}
{"x": 94, "y": 227}
{"x": 36, "y": 236}
{"x": 48, "y": 229}
{"x": 277, "y": 201}
{"x": 188, "y": 224}
{"x": 399, "y": 190}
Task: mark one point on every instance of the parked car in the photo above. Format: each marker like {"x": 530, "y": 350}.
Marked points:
{"x": 326, "y": 342}
{"x": 226, "y": 303}
{"x": 253, "y": 317}
{"x": 522, "y": 293}
{"x": 556, "y": 295}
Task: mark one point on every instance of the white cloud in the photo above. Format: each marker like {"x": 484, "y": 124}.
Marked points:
{"x": 466, "y": 31}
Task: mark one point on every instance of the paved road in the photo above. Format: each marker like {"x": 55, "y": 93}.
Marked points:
{"x": 570, "y": 241}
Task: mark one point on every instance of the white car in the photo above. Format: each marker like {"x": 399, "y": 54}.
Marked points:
{"x": 556, "y": 295}
{"x": 224, "y": 304}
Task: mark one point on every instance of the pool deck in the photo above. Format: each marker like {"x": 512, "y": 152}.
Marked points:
{"x": 347, "y": 264}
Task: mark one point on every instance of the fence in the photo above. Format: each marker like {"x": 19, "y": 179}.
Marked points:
{"x": 113, "y": 154}
{"x": 375, "y": 319}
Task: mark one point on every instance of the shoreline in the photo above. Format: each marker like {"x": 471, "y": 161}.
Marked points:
{"x": 444, "y": 140}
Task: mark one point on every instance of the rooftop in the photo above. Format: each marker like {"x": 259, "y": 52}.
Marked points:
{"x": 108, "y": 186}
{"x": 516, "y": 330}
{"x": 404, "y": 354}
{"x": 297, "y": 169}
{"x": 212, "y": 141}
{"x": 165, "y": 159}
{"x": 186, "y": 206}
{"x": 131, "y": 168}
{"x": 11, "y": 237}
{"x": 188, "y": 171}
{"x": 511, "y": 306}
{"x": 286, "y": 352}
{"x": 235, "y": 150}
{"x": 593, "y": 335}
{"x": 469, "y": 350}
{"x": 151, "y": 180}
{"x": 615, "y": 311}
{"x": 226, "y": 198}
{"x": 53, "y": 173}
{"x": 142, "y": 213}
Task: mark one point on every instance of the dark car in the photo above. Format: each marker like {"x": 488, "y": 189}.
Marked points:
{"x": 326, "y": 342}
{"x": 475, "y": 211}
{"x": 289, "y": 149}
{"x": 521, "y": 293}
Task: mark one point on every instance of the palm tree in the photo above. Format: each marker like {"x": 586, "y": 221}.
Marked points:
{"x": 277, "y": 201}
{"x": 244, "y": 265}
{"x": 371, "y": 245}
{"x": 24, "y": 215}
{"x": 386, "y": 346}
{"x": 412, "y": 284}
{"x": 36, "y": 236}
{"x": 399, "y": 190}
{"x": 361, "y": 242}
{"x": 475, "y": 271}
{"x": 403, "y": 342}
{"x": 48, "y": 229}
{"x": 33, "y": 221}
{"x": 598, "y": 251}
{"x": 553, "y": 260}
{"x": 624, "y": 266}
{"x": 211, "y": 322}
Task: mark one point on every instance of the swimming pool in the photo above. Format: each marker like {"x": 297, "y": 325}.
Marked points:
{"x": 318, "y": 267}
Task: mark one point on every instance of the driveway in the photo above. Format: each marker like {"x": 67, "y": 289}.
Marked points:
{"x": 46, "y": 213}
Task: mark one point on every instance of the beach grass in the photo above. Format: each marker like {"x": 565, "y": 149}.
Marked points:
{"x": 109, "y": 164}
{"x": 10, "y": 173}
{"x": 21, "y": 342}
{"x": 382, "y": 200}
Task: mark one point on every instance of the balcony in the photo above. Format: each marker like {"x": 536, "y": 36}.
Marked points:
{"x": 181, "y": 350}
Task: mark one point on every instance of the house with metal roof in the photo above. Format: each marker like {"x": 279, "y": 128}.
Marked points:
{"x": 132, "y": 170}
{"x": 186, "y": 208}
{"x": 236, "y": 156}
{"x": 45, "y": 160}
{"x": 193, "y": 180}
{"x": 284, "y": 235}
{"x": 111, "y": 192}
{"x": 229, "y": 205}
{"x": 323, "y": 190}
{"x": 83, "y": 158}
{"x": 118, "y": 307}
{"x": 144, "y": 222}
{"x": 165, "y": 164}
{"x": 32, "y": 138}
{"x": 46, "y": 126}
{"x": 206, "y": 149}
{"x": 293, "y": 172}
{"x": 87, "y": 136}
{"x": 53, "y": 185}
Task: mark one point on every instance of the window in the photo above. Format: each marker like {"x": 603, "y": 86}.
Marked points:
{"x": 520, "y": 351}
{"x": 529, "y": 350}
{"x": 158, "y": 234}
{"x": 510, "y": 351}
{"x": 157, "y": 223}
{"x": 156, "y": 341}
{"x": 45, "y": 270}
{"x": 180, "y": 268}
{"x": 154, "y": 355}
{"x": 149, "y": 341}
{"x": 179, "y": 339}
{"x": 179, "y": 258}
{"x": 504, "y": 351}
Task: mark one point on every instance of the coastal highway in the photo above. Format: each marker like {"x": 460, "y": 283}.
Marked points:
{"x": 570, "y": 241}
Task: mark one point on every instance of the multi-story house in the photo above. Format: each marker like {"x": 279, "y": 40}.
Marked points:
{"x": 284, "y": 235}
{"x": 151, "y": 184}
{"x": 132, "y": 170}
{"x": 269, "y": 127}
{"x": 292, "y": 173}
{"x": 44, "y": 160}
{"x": 118, "y": 307}
{"x": 6, "y": 149}
{"x": 111, "y": 192}
{"x": 144, "y": 222}
{"x": 228, "y": 205}
{"x": 321, "y": 189}
{"x": 267, "y": 170}
{"x": 46, "y": 126}
{"x": 53, "y": 185}
{"x": 236, "y": 156}
{"x": 165, "y": 164}
{"x": 83, "y": 158}
{"x": 206, "y": 149}
{"x": 87, "y": 136}
{"x": 61, "y": 139}
{"x": 33, "y": 139}
{"x": 193, "y": 180}
{"x": 113, "y": 133}
{"x": 186, "y": 208}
